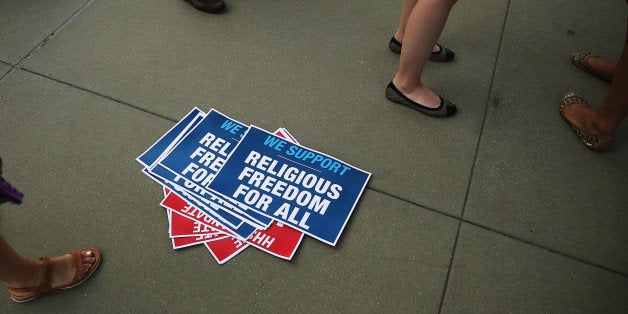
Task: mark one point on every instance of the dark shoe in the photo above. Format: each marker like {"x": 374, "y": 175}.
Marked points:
{"x": 445, "y": 109}
{"x": 582, "y": 62}
{"x": 442, "y": 55}
{"x": 209, "y": 6}
{"x": 590, "y": 141}
{"x": 394, "y": 45}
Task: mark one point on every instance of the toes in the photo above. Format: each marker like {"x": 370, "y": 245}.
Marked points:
{"x": 87, "y": 254}
{"x": 87, "y": 257}
{"x": 88, "y": 260}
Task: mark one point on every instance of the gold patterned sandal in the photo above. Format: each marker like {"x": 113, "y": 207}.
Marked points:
{"x": 582, "y": 62}
{"x": 592, "y": 142}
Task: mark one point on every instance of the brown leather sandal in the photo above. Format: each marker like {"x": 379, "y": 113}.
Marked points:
{"x": 44, "y": 287}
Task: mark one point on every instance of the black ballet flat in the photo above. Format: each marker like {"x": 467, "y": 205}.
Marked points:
{"x": 394, "y": 45}
{"x": 442, "y": 55}
{"x": 445, "y": 109}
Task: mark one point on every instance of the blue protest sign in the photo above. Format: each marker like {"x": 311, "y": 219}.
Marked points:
{"x": 201, "y": 154}
{"x": 305, "y": 189}
{"x": 171, "y": 138}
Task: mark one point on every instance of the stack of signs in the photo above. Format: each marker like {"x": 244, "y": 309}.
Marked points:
{"x": 229, "y": 186}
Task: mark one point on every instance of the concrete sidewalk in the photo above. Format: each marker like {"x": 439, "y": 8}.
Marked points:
{"x": 497, "y": 209}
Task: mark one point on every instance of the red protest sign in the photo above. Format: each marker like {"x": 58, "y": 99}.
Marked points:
{"x": 281, "y": 241}
{"x": 180, "y": 206}
{"x": 181, "y": 226}
{"x": 179, "y": 243}
{"x": 224, "y": 249}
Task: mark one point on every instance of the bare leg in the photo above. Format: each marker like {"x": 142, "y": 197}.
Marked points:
{"x": 424, "y": 26}
{"x": 406, "y": 9}
{"x": 603, "y": 66}
{"x": 19, "y": 272}
{"x": 16, "y": 270}
{"x": 605, "y": 120}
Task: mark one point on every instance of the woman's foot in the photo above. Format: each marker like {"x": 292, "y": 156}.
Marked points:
{"x": 595, "y": 65}
{"x": 421, "y": 94}
{"x": 63, "y": 275}
{"x": 421, "y": 99}
{"x": 585, "y": 122}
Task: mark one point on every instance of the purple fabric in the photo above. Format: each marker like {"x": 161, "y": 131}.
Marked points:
{"x": 9, "y": 194}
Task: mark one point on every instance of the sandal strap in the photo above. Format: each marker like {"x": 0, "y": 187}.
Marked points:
{"x": 78, "y": 261}
{"x": 44, "y": 286}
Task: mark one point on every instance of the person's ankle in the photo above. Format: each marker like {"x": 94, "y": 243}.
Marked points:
{"x": 33, "y": 277}
{"x": 398, "y": 37}
{"x": 596, "y": 124}
{"x": 402, "y": 84}
{"x": 590, "y": 121}
{"x": 602, "y": 128}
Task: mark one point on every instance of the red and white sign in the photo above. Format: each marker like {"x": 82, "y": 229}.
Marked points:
{"x": 181, "y": 226}
{"x": 279, "y": 240}
{"x": 224, "y": 249}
